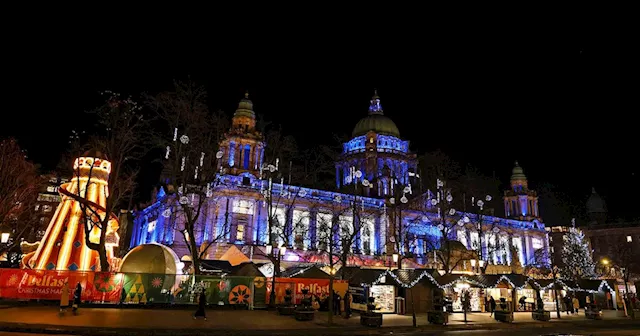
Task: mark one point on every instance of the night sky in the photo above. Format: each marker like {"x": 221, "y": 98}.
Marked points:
{"x": 558, "y": 103}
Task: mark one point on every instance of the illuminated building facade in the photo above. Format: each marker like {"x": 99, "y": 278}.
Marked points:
{"x": 63, "y": 245}
{"x": 375, "y": 161}
{"x": 48, "y": 200}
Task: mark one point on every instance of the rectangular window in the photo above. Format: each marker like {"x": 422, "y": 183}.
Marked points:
{"x": 243, "y": 207}
{"x": 629, "y": 239}
{"x": 462, "y": 237}
{"x": 323, "y": 229}
{"x": 537, "y": 243}
{"x": 240, "y": 232}
{"x": 52, "y": 188}
{"x": 301, "y": 227}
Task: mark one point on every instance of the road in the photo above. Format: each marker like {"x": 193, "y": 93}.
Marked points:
{"x": 520, "y": 332}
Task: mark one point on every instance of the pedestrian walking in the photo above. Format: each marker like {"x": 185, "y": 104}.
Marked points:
{"x": 77, "y": 298}
{"x": 202, "y": 304}
{"x": 64, "y": 298}
{"x": 576, "y": 304}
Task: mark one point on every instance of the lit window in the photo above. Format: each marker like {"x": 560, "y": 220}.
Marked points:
{"x": 629, "y": 239}
{"x": 151, "y": 226}
{"x": 243, "y": 207}
{"x": 537, "y": 243}
{"x": 240, "y": 232}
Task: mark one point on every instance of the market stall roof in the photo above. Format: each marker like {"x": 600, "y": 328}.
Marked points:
{"x": 305, "y": 271}
{"x": 246, "y": 269}
{"x": 365, "y": 276}
{"x": 411, "y": 277}
{"x": 221, "y": 266}
{"x": 596, "y": 285}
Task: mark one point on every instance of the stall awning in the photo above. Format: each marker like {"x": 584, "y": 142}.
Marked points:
{"x": 305, "y": 271}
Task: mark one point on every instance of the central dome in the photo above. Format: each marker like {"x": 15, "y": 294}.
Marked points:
{"x": 377, "y": 123}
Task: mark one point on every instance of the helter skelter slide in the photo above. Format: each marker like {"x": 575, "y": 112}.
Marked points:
{"x": 63, "y": 246}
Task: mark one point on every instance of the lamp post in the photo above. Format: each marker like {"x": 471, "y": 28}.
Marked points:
{"x": 625, "y": 277}
{"x": 356, "y": 177}
{"x": 271, "y": 170}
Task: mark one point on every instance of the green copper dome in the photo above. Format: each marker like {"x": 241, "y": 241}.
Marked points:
{"x": 245, "y": 108}
{"x": 517, "y": 173}
{"x": 376, "y": 121}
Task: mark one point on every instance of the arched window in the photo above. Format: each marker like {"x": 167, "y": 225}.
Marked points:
{"x": 246, "y": 156}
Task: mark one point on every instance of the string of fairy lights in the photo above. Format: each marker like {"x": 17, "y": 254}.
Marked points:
{"x": 464, "y": 279}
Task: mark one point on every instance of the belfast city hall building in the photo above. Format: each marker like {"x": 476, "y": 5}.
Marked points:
{"x": 376, "y": 203}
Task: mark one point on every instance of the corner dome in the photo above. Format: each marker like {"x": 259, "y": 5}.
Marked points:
{"x": 151, "y": 258}
{"x": 377, "y": 123}
{"x": 518, "y": 173}
{"x": 595, "y": 203}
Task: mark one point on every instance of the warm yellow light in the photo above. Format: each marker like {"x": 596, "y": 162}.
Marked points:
{"x": 605, "y": 261}
{"x": 4, "y": 238}
{"x": 462, "y": 285}
{"x": 395, "y": 257}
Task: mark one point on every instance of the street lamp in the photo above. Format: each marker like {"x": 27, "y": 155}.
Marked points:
{"x": 283, "y": 250}
{"x": 4, "y": 237}
{"x": 395, "y": 257}
{"x": 269, "y": 248}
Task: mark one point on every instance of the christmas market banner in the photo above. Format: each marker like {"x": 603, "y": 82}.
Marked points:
{"x": 129, "y": 288}
{"x": 47, "y": 285}
{"x": 316, "y": 287}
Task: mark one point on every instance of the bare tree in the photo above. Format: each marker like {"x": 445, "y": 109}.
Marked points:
{"x": 332, "y": 222}
{"x": 447, "y": 250}
{"x": 190, "y": 140}
{"x": 118, "y": 135}
{"x": 19, "y": 188}
{"x": 627, "y": 258}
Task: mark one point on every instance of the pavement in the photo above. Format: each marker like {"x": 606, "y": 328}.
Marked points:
{"x": 102, "y": 321}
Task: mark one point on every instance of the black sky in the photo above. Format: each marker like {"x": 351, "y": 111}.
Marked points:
{"x": 561, "y": 103}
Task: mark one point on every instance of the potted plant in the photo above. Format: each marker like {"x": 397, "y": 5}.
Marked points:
{"x": 370, "y": 318}
{"x": 287, "y": 308}
{"x": 305, "y": 311}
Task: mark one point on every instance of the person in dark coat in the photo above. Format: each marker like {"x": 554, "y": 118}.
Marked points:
{"x": 77, "y": 297}
{"x": 347, "y": 305}
{"x": 202, "y": 304}
{"x": 492, "y": 305}
{"x": 336, "y": 304}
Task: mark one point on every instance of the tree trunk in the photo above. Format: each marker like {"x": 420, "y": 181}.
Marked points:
{"x": 276, "y": 272}
{"x": 413, "y": 309}
{"x": 104, "y": 262}
{"x": 330, "y": 318}
{"x": 195, "y": 254}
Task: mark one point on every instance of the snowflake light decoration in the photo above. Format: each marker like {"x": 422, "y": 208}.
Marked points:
{"x": 184, "y": 200}
{"x": 166, "y": 213}
{"x": 184, "y": 139}
{"x": 366, "y": 183}
{"x": 488, "y": 198}
{"x": 219, "y": 155}
{"x": 302, "y": 193}
{"x": 434, "y": 201}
